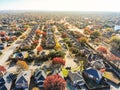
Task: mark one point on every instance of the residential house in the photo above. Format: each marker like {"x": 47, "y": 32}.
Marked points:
{"x": 39, "y": 77}
{"x": 93, "y": 74}
{"x": 117, "y": 25}
{"x": 6, "y": 81}
{"x": 23, "y": 80}
{"x": 76, "y": 78}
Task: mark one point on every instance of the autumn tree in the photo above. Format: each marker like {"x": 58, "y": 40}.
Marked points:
{"x": 22, "y": 65}
{"x": 58, "y": 60}
{"x": 102, "y": 49}
{"x": 2, "y": 69}
{"x": 7, "y": 38}
{"x": 38, "y": 32}
{"x": 26, "y": 26}
{"x": 58, "y": 46}
{"x": 39, "y": 49}
{"x": 95, "y": 34}
{"x": 115, "y": 42}
{"x": 35, "y": 42}
{"x": 2, "y": 33}
{"x": 64, "y": 35}
{"x": 83, "y": 40}
{"x": 35, "y": 88}
{"x": 87, "y": 31}
{"x": 13, "y": 38}
{"x": 54, "y": 82}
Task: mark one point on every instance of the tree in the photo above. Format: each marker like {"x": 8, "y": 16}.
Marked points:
{"x": 38, "y": 32}
{"x": 35, "y": 88}
{"x": 22, "y": 65}
{"x": 2, "y": 33}
{"x": 64, "y": 35}
{"x": 7, "y": 38}
{"x": 39, "y": 49}
{"x": 87, "y": 30}
{"x": 56, "y": 53}
{"x": 95, "y": 34}
{"x": 14, "y": 38}
{"x": 102, "y": 49}
{"x": 54, "y": 82}
{"x": 115, "y": 42}
{"x": 35, "y": 42}
{"x": 83, "y": 40}
{"x": 2, "y": 69}
{"x": 58, "y": 60}
{"x": 26, "y": 26}
{"x": 58, "y": 46}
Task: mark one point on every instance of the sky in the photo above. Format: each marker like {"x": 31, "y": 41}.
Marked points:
{"x": 61, "y": 5}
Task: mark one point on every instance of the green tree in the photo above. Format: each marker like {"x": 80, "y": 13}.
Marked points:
{"x": 95, "y": 34}
{"x": 115, "y": 42}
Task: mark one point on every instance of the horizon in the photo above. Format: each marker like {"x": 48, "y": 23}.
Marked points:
{"x": 61, "y": 5}
{"x": 61, "y": 11}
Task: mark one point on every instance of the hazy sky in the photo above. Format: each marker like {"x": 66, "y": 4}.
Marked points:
{"x": 61, "y": 5}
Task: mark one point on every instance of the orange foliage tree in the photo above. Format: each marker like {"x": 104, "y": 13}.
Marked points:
{"x": 87, "y": 30}
{"x": 7, "y": 38}
{"x": 39, "y": 49}
{"x": 2, "y": 33}
{"x": 2, "y": 69}
{"x": 54, "y": 82}
{"x": 102, "y": 49}
{"x": 14, "y": 38}
{"x": 58, "y": 60}
{"x": 38, "y": 32}
{"x": 22, "y": 65}
{"x": 35, "y": 42}
{"x": 83, "y": 40}
{"x": 35, "y": 88}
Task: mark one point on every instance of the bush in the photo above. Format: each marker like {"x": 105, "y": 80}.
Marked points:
{"x": 55, "y": 53}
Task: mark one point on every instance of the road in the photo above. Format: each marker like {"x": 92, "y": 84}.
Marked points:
{"x": 9, "y": 50}
{"x": 112, "y": 86}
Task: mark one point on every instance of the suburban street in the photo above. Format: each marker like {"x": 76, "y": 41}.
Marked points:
{"x": 9, "y": 50}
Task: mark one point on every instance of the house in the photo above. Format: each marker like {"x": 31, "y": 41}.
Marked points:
{"x": 39, "y": 77}
{"x": 20, "y": 55}
{"x": 23, "y": 80}
{"x": 6, "y": 81}
{"x": 2, "y": 81}
{"x": 76, "y": 78}
{"x": 117, "y": 25}
{"x": 93, "y": 74}
{"x": 98, "y": 64}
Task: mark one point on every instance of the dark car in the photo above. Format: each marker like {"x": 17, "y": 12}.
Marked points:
{"x": 1, "y": 46}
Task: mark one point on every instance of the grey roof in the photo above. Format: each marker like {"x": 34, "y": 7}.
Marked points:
{"x": 39, "y": 73}
{"x": 75, "y": 77}
{"x": 8, "y": 83}
{"x": 118, "y": 22}
{"x": 26, "y": 75}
